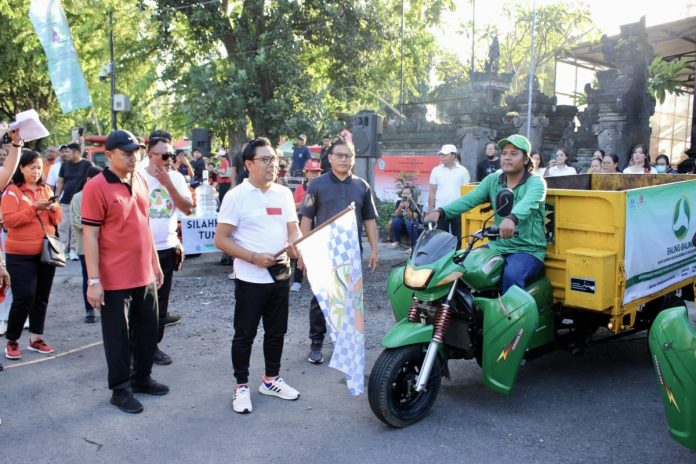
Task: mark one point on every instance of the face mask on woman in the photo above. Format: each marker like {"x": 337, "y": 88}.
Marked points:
{"x": 661, "y": 168}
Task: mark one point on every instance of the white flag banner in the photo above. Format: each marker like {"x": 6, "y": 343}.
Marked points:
{"x": 334, "y": 269}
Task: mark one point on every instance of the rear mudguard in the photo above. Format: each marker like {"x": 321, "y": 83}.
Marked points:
{"x": 673, "y": 346}
{"x": 506, "y": 335}
{"x": 407, "y": 333}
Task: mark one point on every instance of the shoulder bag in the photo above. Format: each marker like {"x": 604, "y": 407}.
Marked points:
{"x": 52, "y": 250}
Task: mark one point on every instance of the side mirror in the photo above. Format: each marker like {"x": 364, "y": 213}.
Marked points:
{"x": 693, "y": 240}
{"x": 504, "y": 201}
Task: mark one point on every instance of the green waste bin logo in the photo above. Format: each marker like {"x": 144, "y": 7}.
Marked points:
{"x": 681, "y": 218}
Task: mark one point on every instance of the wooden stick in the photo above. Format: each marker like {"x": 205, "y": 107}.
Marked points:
{"x": 318, "y": 228}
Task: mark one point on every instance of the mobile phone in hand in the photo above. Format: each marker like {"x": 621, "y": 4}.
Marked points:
{"x": 53, "y": 198}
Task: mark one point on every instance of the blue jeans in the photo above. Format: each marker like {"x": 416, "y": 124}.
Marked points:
{"x": 401, "y": 225}
{"x": 520, "y": 269}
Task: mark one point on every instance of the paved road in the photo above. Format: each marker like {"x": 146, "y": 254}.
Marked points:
{"x": 602, "y": 407}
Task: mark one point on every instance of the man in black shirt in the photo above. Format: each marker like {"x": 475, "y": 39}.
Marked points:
{"x": 324, "y": 155}
{"x": 490, "y": 164}
{"x": 198, "y": 165}
{"x": 71, "y": 178}
{"x": 327, "y": 195}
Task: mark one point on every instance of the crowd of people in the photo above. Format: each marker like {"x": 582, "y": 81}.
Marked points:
{"x": 147, "y": 185}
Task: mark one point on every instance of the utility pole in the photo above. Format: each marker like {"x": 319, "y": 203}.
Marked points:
{"x": 530, "y": 76}
{"x": 401, "y": 90}
{"x": 473, "y": 37}
{"x": 112, "y": 68}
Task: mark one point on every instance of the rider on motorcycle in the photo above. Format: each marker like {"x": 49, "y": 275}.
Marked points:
{"x": 524, "y": 254}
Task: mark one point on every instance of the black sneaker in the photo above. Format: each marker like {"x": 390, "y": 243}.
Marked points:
{"x": 123, "y": 399}
{"x": 90, "y": 318}
{"x": 172, "y": 319}
{"x": 315, "y": 356}
{"x": 150, "y": 386}
{"x": 162, "y": 358}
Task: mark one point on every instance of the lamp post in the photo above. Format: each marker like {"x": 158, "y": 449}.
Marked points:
{"x": 401, "y": 87}
{"x": 530, "y": 76}
{"x": 112, "y": 68}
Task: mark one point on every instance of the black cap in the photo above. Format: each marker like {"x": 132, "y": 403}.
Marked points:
{"x": 61, "y": 147}
{"x": 73, "y": 146}
{"x": 123, "y": 140}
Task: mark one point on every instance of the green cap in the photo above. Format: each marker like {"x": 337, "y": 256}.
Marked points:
{"x": 520, "y": 141}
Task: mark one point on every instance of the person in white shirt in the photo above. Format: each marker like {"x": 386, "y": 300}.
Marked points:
{"x": 558, "y": 167}
{"x": 168, "y": 193}
{"x": 257, "y": 219}
{"x": 52, "y": 177}
{"x": 640, "y": 161}
{"x": 445, "y": 182}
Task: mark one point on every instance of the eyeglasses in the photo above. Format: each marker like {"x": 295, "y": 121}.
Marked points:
{"x": 166, "y": 156}
{"x": 344, "y": 156}
{"x": 267, "y": 160}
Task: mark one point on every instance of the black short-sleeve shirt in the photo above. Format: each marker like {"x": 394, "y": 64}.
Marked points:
{"x": 328, "y": 195}
{"x": 74, "y": 177}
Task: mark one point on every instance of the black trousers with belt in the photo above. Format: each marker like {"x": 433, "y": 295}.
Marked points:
{"x": 129, "y": 327}
{"x": 256, "y": 302}
{"x": 31, "y": 282}
{"x": 166, "y": 259}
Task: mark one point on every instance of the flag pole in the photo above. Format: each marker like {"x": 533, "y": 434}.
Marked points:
{"x": 350, "y": 207}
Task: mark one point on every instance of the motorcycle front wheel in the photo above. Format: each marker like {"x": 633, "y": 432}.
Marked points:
{"x": 392, "y": 387}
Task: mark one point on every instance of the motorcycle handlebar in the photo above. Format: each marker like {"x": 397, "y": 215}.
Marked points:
{"x": 493, "y": 232}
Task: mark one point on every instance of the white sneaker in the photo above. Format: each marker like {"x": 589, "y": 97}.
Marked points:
{"x": 241, "y": 401}
{"x": 278, "y": 388}
{"x": 231, "y": 276}
{"x": 295, "y": 287}
{"x": 73, "y": 256}
{"x": 3, "y": 327}
{"x": 26, "y": 323}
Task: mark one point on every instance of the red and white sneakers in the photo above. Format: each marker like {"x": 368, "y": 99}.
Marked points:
{"x": 12, "y": 350}
{"x": 40, "y": 346}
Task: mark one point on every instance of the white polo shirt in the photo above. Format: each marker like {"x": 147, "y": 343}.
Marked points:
{"x": 448, "y": 182}
{"x": 261, "y": 221}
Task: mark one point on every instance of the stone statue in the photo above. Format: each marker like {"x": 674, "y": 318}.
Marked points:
{"x": 493, "y": 62}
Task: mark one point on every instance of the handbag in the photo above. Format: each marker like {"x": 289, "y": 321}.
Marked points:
{"x": 52, "y": 250}
{"x": 280, "y": 271}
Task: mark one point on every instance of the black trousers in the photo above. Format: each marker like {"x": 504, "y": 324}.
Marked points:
{"x": 88, "y": 307}
{"x": 166, "y": 260}
{"x": 129, "y": 327}
{"x": 317, "y": 324}
{"x": 222, "y": 190}
{"x": 455, "y": 223}
{"x": 31, "y": 282}
{"x": 256, "y": 302}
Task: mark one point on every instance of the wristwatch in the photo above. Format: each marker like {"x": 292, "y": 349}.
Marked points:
{"x": 92, "y": 282}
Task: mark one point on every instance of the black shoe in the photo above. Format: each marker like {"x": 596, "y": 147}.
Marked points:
{"x": 150, "y": 386}
{"x": 162, "y": 358}
{"x": 172, "y": 319}
{"x": 90, "y": 318}
{"x": 123, "y": 399}
{"x": 315, "y": 356}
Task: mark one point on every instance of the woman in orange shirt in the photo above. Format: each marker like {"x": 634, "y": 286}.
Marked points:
{"x": 25, "y": 201}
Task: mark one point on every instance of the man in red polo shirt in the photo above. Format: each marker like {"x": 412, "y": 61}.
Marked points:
{"x": 123, "y": 270}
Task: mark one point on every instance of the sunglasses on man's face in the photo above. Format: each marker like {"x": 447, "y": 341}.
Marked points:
{"x": 166, "y": 156}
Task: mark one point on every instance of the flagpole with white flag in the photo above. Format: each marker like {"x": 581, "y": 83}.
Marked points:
{"x": 332, "y": 259}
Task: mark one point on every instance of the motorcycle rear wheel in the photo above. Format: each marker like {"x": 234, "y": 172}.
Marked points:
{"x": 392, "y": 388}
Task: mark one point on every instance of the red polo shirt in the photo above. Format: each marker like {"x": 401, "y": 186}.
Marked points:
{"x": 120, "y": 210}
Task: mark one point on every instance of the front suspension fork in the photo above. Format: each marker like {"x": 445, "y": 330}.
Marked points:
{"x": 442, "y": 318}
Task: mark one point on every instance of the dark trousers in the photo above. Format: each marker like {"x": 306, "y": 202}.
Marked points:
{"x": 222, "y": 190}
{"x": 166, "y": 260}
{"x": 401, "y": 225}
{"x": 520, "y": 269}
{"x": 88, "y": 307}
{"x": 317, "y": 324}
{"x": 298, "y": 275}
{"x": 453, "y": 226}
{"x": 129, "y": 326}
{"x": 256, "y": 302}
{"x": 31, "y": 282}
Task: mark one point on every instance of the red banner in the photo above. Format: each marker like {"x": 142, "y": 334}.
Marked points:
{"x": 388, "y": 168}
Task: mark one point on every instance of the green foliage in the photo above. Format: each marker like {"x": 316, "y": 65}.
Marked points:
{"x": 558, "y": 26}
{"x": 284, "y": 67}
{"x": 666, "y": 77}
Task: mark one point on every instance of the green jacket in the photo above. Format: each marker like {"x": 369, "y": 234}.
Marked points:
{"x": 529, "y": 209}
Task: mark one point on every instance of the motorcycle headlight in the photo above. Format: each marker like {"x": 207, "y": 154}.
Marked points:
{"x": 417, "y": 278}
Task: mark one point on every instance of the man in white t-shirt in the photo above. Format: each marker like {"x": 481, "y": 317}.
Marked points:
{"x": 168, "y": 192}
{"x": 445, "y": 182}
{"x": 257, "y": 219}
{"x": 52, "y": 176}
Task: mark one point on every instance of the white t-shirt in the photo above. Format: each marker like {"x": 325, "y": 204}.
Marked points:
{"x": 564, "y": 171}
{"x": 52, "y": 177}
{"x": 261, "y": 220}
{"x": 448, "y": 182}
{"x": 638, "y": 170}
{"x": 163, "y": 212}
